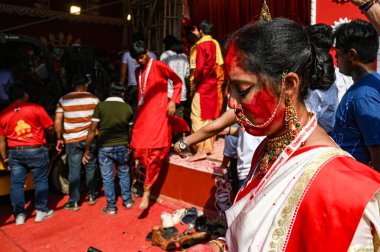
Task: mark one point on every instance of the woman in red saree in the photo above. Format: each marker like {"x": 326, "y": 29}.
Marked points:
{"x": 303, "y": 192}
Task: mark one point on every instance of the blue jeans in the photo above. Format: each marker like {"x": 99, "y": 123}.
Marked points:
{"x": 108, "y": 158}
{"x": 75, "y": 152}
{"x": 21, "y": 161}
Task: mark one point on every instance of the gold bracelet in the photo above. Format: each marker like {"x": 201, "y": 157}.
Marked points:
{"x": 218, "y": 243}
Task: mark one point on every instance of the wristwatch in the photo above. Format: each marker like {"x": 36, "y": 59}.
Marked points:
{"x": 183, "y": 145}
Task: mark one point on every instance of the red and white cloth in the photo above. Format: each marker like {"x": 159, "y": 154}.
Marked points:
{"x": 321, "y": 199}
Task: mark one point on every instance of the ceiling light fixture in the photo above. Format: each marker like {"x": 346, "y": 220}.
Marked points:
{"x": 75, "y": 10}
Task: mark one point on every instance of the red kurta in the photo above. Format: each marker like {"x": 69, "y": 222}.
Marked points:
{"x": 151, "y": 129}
{"x": 206, "y": 81}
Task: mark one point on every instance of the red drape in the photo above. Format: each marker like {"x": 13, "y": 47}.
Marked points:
{"x": 229, "y": 15}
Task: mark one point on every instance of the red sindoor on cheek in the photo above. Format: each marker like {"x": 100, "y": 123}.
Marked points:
{"x": 259, "y": 115}
{"x": 262, "y": 105}
{"x": 261, "y": 108}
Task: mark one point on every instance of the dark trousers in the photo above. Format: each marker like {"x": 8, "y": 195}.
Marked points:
{"x": 132, "y": 96}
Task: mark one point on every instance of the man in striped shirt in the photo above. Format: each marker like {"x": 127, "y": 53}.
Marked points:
{"x": 74, "y": 112}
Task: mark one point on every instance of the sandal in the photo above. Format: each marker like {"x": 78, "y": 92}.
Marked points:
{"x": 108, "y": 211}
{"x": 129, "y": 204}
{"x": 190, "y": 214}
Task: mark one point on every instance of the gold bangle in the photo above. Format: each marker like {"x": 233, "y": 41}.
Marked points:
{"x": 218, "y": 243}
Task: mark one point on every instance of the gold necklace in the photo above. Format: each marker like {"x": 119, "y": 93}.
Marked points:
{"x": 273, "y": 148}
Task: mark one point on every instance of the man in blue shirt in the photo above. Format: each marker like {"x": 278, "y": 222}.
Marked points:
{"x": 357, "y": 119}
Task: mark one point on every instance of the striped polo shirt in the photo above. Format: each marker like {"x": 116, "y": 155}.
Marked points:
{"x": 77, "y": 109}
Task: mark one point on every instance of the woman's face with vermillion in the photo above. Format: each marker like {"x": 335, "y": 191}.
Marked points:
{"x": 253, "y": 96}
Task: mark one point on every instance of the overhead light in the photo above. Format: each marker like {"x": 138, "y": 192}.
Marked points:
{"x": 75, "y": 10}
{"x": 129, "y": 17}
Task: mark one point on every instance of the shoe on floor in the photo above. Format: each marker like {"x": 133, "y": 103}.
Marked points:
{"x": 169, "y": 233}
{"x": 92, "y": 199}
{"x": 137, "y": 189}
{"x": 190, "y": 214}
{"x": 109, "y": 212}
{"x": 129, "y": 204}
{"x": 73, "y": 206}
{"x": 20, "y": 219}
{"x": 167, "y": 220}
{"x": 40, "y": 216}
{"x": 178, "y": 215}
{"x": 192, "y": 239}
{"x": 158, "y": 239}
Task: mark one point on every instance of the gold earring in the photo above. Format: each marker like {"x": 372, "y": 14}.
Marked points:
{"x": 291, "y": 117}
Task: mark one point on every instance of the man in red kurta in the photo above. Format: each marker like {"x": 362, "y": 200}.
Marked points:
{"x": 151, "y": 136}
{"x": 205, "y": 105}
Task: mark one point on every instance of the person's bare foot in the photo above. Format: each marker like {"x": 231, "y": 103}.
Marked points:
{"x": 144, "y": 201}
{"x": 197, "y": 156}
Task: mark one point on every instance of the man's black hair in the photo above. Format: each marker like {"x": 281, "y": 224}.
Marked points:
{"x": 17, "y": 91}
{"x": 178, "y": 47}
{"x": 79, "y": 80}
{"x": 359, "y": 35}
{"x": 169, "y": 42}
{"x": 207, "y": 27}
{"x": 117, "y": 89}
{"x": 138, "y": 48}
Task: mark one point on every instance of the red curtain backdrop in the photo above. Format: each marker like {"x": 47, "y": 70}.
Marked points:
{"x": 229, "y": 15}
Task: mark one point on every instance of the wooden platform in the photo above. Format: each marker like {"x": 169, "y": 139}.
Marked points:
{"x": 199, "y": 184}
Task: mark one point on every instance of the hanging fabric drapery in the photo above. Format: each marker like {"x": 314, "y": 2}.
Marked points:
{"x": 264, "y": 13}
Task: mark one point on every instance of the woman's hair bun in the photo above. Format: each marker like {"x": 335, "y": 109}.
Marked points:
{"x": 323, "y": 75}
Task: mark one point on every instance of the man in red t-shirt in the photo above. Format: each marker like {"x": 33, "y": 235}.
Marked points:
{"x": 22, "y": 126}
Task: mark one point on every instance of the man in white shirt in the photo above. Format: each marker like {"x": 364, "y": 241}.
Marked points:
{"x": 178, "y": 61}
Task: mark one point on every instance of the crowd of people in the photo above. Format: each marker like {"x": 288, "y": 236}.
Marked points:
{"x": 306, "y": 148}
